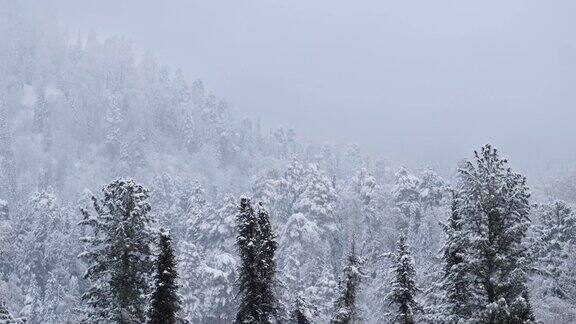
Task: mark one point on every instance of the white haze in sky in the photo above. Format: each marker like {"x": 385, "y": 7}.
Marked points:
{"x": 413, "y": 80}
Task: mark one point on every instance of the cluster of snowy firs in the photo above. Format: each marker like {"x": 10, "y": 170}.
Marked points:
{"x": 351, "y": 238}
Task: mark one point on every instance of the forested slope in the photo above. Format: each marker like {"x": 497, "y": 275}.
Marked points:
{"x": 76, "y": 113}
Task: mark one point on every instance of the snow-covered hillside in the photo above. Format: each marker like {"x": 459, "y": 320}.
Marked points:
{"x": 352, "y": 237}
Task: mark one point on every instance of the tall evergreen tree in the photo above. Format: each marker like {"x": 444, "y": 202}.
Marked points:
{"x": 42, "y": 237}
{"x": 257, "y": 245}
{"x": 346, "y": 308}
{"x": 165, "y": 302}
{"x": 248, "y": 277}
{"x": 267, "y": 264}
{"x": 556, "y": 241}
{"x": 118, "y": 254}
{"x": 553, "y": 279}
{"x": 455, "y": 282}
{"x": 404, "y": 286}
{"x": 407, "y": 199}
{"x": 495, "y": 208}
{"x": 33, "y": 307}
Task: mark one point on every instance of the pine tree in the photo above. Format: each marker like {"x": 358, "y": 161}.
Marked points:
{"x": 41, "y": 237}
{"x": 257, "y": 245}
{"x": 248, "y": 277}
{"x": 165, "y": 302}
{"x": 267, "y": 265}
{"x": 346, "y": 308}
{"x": 318, "y": 199}
{"x": 52, "y": 297}
{"x": 404, "y": 286}
{"x": 455, "y": 281}
{"x": 495, "y": 209}
{"x": 61, "y": 299}
{"x": 553, "y": 275}
{"x": 211, "y": 271}
{"x": 432, "y": 189}
{"x": 406, "y": 193}
{"x": 33, "y": 307}
{"x": 44, "y": 241}
{"x": 366, "y": 206}
{"x": 555, "y": 244}
{"x": 118, "y": 254}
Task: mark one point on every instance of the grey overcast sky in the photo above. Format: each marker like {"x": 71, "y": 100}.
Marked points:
{"x": 414, "y": 79}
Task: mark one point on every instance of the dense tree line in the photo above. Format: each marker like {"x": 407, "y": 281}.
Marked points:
{"x": 486, "y": 262}
{"x": 484, "y": 280}
{"x": 485, "y": 255}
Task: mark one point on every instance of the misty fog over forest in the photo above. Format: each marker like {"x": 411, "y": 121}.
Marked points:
{"x": 267, "y": 161}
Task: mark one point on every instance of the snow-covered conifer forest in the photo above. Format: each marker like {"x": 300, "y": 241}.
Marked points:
{"x": 132, "y": 194}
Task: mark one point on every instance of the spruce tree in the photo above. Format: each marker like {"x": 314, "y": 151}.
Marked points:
{"x": 33, "y": 307}
{"x": 257, "y": 245}
{"x": 554, "y": 255}
{"x": 248, "y": 278}
{"x": 165, "y": 302}
{"x": 404, "y": 286}
{"x": 455, "y": 282}
{"x": 118, "y": 254}
{"x": 556, "y": 240}
{"x": 267, "y": 265}
{"x": 494, "y": 210}
{"x": 406, "y": 196}
{"x": 346, "y": 308}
